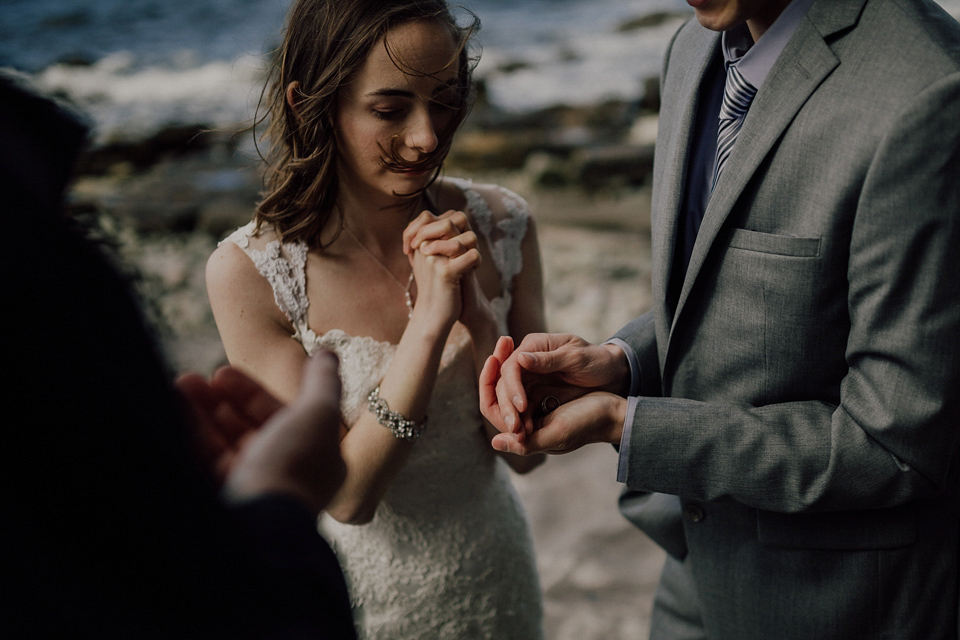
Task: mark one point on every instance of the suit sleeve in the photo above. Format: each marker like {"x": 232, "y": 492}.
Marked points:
{"x": 893, "y": 436}
{"x": 640, "y": 336}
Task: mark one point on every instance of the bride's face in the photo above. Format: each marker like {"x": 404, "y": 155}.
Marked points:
{"x": 383, "y": 103}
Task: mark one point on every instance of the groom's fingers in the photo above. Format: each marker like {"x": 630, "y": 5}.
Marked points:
{"x": 525, "y": 445}
{"x": 544, "y": 361}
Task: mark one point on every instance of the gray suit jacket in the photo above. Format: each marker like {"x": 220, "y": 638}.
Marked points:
{"x": 803, "y": 400}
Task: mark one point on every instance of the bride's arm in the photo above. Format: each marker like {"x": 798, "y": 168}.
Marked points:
{"x": 254, "y": 331}
{"x": 526, "y": 313}
{"x": 372, "y": 453}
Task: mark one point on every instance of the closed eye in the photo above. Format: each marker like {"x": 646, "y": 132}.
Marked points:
{"x": 388, "y": 114}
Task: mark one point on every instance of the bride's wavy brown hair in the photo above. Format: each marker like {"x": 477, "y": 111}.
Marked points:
{"x": 325, "y": 45}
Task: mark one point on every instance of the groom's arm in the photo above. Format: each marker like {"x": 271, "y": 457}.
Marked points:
{"x": 639, "y": 343}
{"x": 656, "y": 514}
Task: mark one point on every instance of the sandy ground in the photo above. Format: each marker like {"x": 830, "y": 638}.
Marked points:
{"x": 598, "y": 572}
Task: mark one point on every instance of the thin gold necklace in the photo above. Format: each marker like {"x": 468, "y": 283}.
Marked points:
{"x": 406, "y": 288}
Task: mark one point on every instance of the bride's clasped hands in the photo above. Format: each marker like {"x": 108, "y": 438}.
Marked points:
{"x": 444, "y": 256}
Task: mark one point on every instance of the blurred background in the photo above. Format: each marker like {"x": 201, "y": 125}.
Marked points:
{"x": 566, "y": 115}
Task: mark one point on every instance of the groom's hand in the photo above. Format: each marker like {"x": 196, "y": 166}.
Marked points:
{"x": 594, "y": 417}
{"x": 504, "y": 417}
{"x": 546, "y": 370}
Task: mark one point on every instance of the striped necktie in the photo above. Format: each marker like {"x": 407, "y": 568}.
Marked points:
{"x": 737, "y": 96}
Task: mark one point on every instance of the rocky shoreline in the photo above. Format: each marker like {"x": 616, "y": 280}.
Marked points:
{"x": 163, "y": 202}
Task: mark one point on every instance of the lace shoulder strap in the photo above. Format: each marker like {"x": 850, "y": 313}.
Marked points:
{"x": 284, "y": 267}
{"x": 500, "y": 216}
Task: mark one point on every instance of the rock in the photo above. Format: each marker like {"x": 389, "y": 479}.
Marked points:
{"x": 651, "y": 95}
{"x": 612, "y": 165}
{"x": 513, "y": 66}
{"x": 171, "y": 141}
{"x": 160, "y": 201}
{"x": 224, "y": 213}
{"x": 493, "y": 150}
{"x": 494, "y": 140}
{"x": 547, "y": 170}
{"x": 77, "y": 60}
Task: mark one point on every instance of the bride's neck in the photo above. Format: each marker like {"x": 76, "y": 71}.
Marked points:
{"x": 381, "y": 227}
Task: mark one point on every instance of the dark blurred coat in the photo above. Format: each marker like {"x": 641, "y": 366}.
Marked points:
{"x": 110, "y": 528}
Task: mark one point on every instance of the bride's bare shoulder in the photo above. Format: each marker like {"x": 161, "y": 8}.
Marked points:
{"x": 234, "y": 282}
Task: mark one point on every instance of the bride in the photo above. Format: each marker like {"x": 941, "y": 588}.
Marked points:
{"x": 360, "y": 247}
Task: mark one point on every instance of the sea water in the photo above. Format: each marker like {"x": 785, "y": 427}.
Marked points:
{"x": 137, "y": 65}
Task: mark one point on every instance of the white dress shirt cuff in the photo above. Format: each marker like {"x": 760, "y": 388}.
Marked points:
{"x": 633, "y": 362}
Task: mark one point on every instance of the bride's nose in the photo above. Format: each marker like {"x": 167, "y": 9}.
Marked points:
{"x": 421, "y": 135}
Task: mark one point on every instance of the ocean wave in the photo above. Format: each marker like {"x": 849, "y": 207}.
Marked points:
{"x": 127, "y": 102}
{"x": 579, "y": 69}
{"x": 535, "y": 55}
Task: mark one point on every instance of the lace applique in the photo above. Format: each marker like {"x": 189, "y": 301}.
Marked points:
{"x": 507, "y": 235}
{"x": 284, "y": 267}
{"x": 505, "y": 239}
{"x": 448, "y": 554}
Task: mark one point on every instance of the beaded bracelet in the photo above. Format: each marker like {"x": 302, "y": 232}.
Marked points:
{"x": 401, "y": 427}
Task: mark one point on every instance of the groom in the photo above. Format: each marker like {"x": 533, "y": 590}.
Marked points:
{"x": 788, "y": 414}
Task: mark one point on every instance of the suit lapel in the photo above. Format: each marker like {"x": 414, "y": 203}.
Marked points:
{"x": 801, "y": 67}
{"x": 674, "y": 176}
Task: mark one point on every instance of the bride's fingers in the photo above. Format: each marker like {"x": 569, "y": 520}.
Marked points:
{"x": 504, "y": 348}
{"x": 465, "y": 262}
{"x": 487, "y": 380}
{"x": 459, "y": 218}
{"x": 413, "y": 228}
{"x": 449, "y": 247}
{"x": 448, "y": 225}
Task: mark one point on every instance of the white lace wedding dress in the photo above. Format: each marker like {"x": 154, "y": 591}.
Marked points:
{"x": 448, "y": 554}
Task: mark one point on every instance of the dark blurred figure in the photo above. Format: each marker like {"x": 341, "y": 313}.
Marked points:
{"x": 111, "y": 526}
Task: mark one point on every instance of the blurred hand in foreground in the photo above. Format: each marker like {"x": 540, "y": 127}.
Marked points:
{"x": 255, "y": 445}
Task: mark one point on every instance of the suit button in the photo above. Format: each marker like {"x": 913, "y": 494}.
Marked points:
{"x": 694, "y": 512}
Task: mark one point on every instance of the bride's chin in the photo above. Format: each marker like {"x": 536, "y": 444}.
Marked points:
{"x": 411, "y": 174}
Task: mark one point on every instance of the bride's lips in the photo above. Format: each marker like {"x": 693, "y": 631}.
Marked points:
{"x": 696, "y": 4}
{"x": 412, "y": 172}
